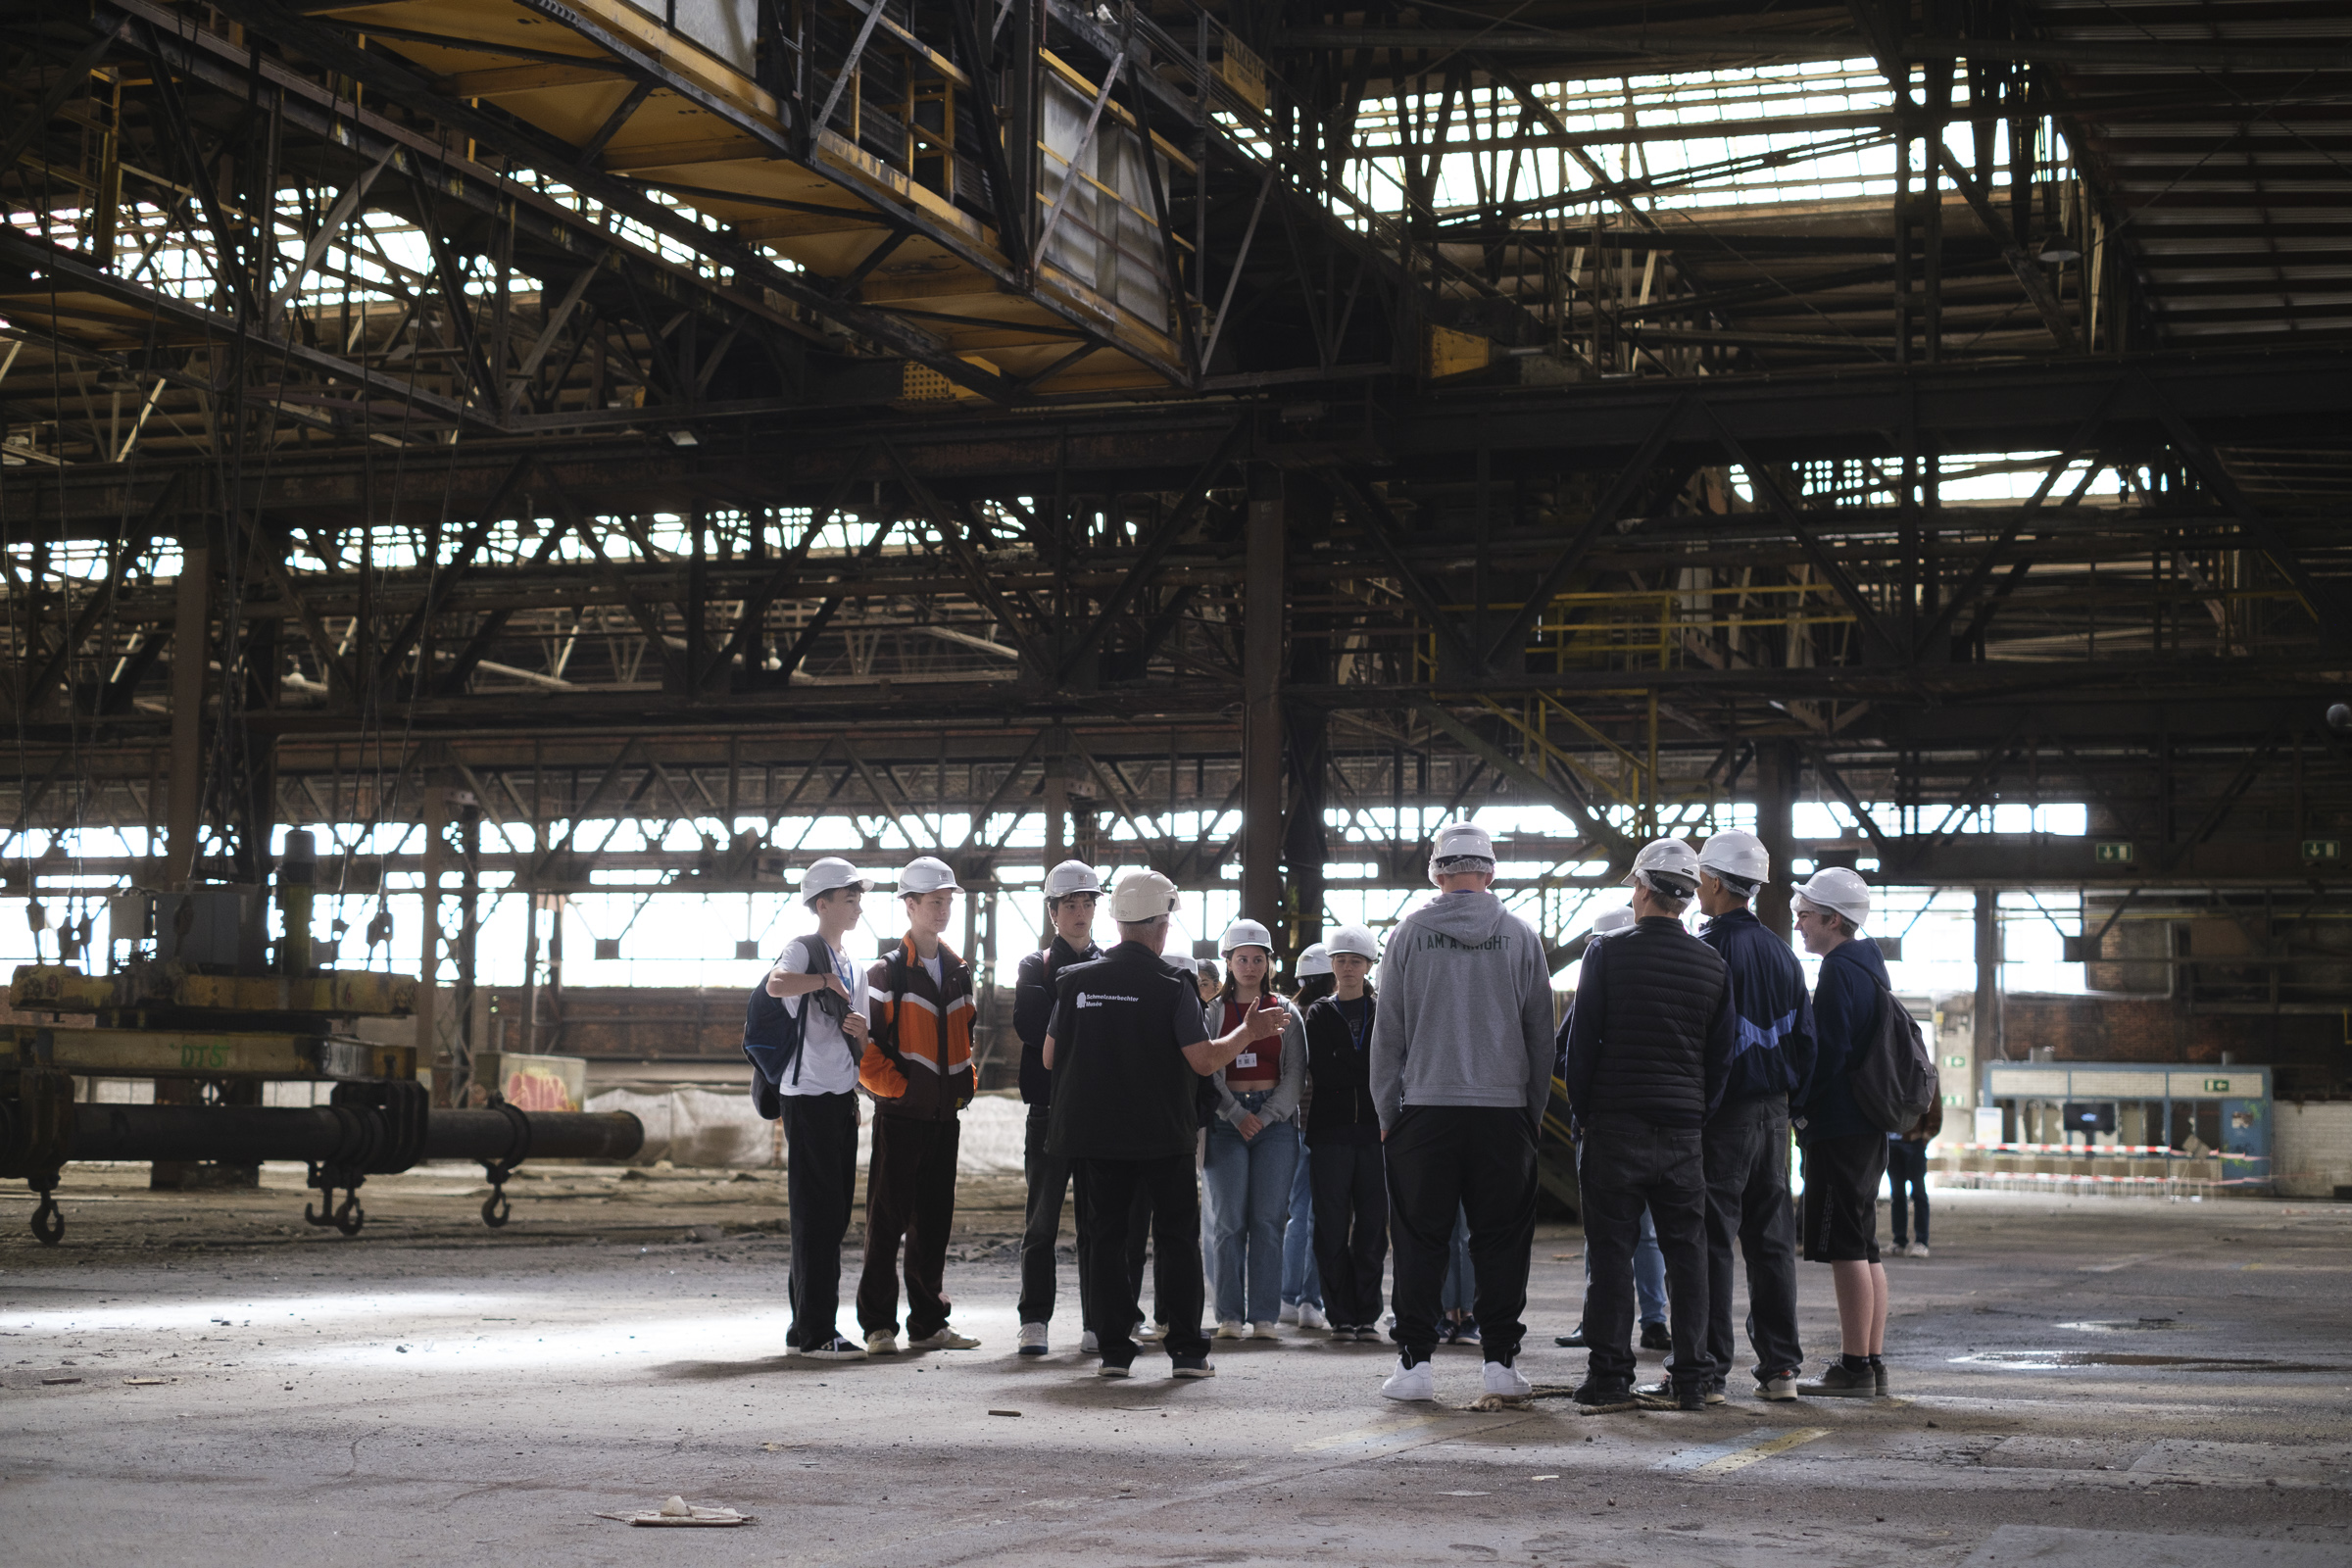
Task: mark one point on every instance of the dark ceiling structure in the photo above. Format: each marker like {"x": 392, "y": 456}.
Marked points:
{"x": 714, "y": 410}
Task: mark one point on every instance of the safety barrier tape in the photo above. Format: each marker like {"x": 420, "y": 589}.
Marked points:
{"x": 2088, "y": 1150}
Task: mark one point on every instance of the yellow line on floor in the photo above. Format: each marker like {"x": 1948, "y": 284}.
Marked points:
{"x": 1372, "y": 1434}
{"x": 1761, "y": 1452}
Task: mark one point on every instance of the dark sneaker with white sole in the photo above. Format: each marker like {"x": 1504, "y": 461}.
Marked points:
{"x": 1779, "y": 1389}
{"x": 835, "y": 1348}
{"x": 1674, "y": 1397}
{"x": 1113, "y": 1369}
{"x": 1596, "y": 1398}
{"x": 1840, "y": 1383}
{"x": 1194, "y": 1366}
{"x": 1712, "y": 1392}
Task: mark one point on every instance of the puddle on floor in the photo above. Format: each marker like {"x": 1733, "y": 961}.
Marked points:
{"x": 2127, "y": 1325}
{"x": 2051, "y": 1360}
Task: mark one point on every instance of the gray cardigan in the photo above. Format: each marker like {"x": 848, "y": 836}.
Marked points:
{"x": 1283, "y": 1102}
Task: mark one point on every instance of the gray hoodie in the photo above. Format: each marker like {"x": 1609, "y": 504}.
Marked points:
{"x": 1465, "y": 1010}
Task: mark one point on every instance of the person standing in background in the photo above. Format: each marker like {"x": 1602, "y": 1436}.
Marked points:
{"x": 1461, "y": 1071}
{"x": 1251, "y": 1149}
{"x": 820, "y": 1105}
{"x": 918, "y": 1069}
{"x": 1302, "y": 1277}
{"x": 1072, "y": 890}
{"x": 1907, "y": 1180}
{"x": 1342, "y": 1130}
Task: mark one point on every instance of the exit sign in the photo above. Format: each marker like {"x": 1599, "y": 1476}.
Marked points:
{"x": 2112, "y": 851}
{"x": 2323, "y": 848}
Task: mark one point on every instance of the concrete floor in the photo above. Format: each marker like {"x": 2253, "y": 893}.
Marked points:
{"x": 2080, "y": 1382}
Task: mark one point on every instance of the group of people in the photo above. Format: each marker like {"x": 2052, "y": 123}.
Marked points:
{"x": 1397, "y": 1098}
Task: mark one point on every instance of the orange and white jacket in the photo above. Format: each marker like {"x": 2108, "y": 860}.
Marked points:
{"x": 919, "y": 1055}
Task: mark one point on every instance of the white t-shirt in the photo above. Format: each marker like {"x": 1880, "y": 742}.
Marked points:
{"x": 937, "y": 964}
{"x": 828, "y": 1063}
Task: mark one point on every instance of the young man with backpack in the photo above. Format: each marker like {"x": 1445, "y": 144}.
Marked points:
{"x": 813, "y": 1049}
{"x": 1844, "y": 1151}
{"x": 918, "y": 1068}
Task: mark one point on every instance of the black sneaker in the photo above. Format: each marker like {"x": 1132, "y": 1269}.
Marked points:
{"x": 1839, "y": 1383}
{"x": 1654, "y": 1337}
{"x": 1466, "y": 1332}
{"x": 1878, "y": 1376}
{"x": 1113, "y": 1369}
{"x": 1368, "y": 1335}
{"x": 1194, "y": 1366}
{"x": 1574, "y": 1340}
{"x": 1600, "y": 1398}
{"x": 1667, "y": 1396}
{"x": 835, "y": 1348}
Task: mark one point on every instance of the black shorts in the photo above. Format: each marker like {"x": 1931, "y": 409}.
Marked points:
{"x": 1837, "y": 1220}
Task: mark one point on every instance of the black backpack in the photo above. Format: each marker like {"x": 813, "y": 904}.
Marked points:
{"x": 772, "y": 1033}
{"x": 1893, "y": 1077}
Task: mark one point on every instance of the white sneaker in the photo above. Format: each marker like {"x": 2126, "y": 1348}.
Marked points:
{"x": 1265, "y": 1331}
{"x": 1412, "y": 1382}
{"x": 1918, "y": 1248}
{"x": 882, "y": 1343}
{"x": 1310, "y": 1316}
{"x": 1033, "y": 1338}
{"x": 1503, "y": 1378}
{"x": 1288, "y": 1313}
{"x": 1088, "y": 1345}
{"x": 1150, "y": 1333}
{"x": 1232, "y": 1328}
{"x": 946, "y": 1339}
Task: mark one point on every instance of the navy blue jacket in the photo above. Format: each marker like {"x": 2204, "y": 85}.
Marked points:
{"x": 1846, "y": 1013}
{"x": 1775, "y": 1049}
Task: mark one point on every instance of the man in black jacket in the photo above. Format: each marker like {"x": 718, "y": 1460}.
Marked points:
{"x": 1648, "y": 1052}
{"x": 1072, "y": 891}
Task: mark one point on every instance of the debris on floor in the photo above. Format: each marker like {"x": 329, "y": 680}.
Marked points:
{"x": 679, "y": 1511}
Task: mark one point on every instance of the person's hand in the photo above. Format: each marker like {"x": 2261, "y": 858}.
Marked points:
{"x": 1265, "y": 1023}
{"x": 834, "y": 984}
{"x": 1249, "y": 1127}
{"x": 855, "y": 1025}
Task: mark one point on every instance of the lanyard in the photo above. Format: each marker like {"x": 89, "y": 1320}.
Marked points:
{"x": 841, "y": 969}
{"x": 1355, "y": 1032}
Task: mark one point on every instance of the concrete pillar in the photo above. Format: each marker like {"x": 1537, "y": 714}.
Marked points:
{"x": 1987, "y": 1021}
{"x": 1262, "y": 632}
{"x": 190, "y": 647}
{"x": 1776, "y": 825}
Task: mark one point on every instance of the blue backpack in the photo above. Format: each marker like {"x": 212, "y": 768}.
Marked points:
{"x": 772, "y": 1033}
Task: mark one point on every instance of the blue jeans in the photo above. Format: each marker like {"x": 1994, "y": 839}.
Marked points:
{"x": 1249, "y": 1181}
{"x": 1460, "y": 1292}
{"x": 1301, "y": 1280}
{"x": 1649, "y": 1272}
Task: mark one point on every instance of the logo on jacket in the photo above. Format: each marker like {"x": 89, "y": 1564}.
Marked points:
{"x": 1097, "y": 998}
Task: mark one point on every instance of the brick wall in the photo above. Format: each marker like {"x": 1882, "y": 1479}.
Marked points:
{"x": 2307, "y": 1049}
{"x": 2312, "y": 1149}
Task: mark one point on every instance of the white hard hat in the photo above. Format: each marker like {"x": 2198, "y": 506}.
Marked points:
{"x": 1839, "y": 891}
{"x": 1665, "y": 866}
{"x": 1072, "y": 876}
{"x": 829, "y": 873}
{"x": 1731, "y": 853}
{"x": 1141, "y": 897}
{"x": 1355, "y": 939}
{"x": 1315, "y": 961}
{"x": 1457, "y": 842}
{"x": 1244, "y": 934}
{"x": 927, "y": 874}
{"x": 1616, "y": 919}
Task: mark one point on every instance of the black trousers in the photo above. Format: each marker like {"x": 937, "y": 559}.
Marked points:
{"x": 909, "y": 1193}
{"x": 1110, "y": 1188}
{"x": 1907, "y": 1169}
{"x": 1351, "y": 1188}
{"x": 1041, "y": 1232}
{"x": 1624, "y": 1164}
{"x": 1746, "y": 1155}
{"x": 820, "y": 1172}
{"x": 1478, "y": 1160}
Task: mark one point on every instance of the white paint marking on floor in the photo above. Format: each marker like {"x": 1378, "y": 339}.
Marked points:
{"x": 1721, "y": 1459}
{"x": 1365, "y": 1437}
{"x": 2111, "y": 1267}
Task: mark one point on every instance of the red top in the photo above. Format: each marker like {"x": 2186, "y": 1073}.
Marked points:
{"x": 1259, "y": 1065}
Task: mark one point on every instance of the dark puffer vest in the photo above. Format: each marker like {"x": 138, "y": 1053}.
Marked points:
{"x": 1653, "y": 1027}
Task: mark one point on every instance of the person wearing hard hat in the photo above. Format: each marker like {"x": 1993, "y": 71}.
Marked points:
{"x": 1252, "y": 1148}
{"x": 1127, "y": 1046}
{"x": 918, "y": 1070}
{"x": 1648, "y": 1052}
{"x": 1301, "y": 1273}
{"x": 1072, "y": 890}
{"x": 1844, "y": 1151}
{"x": 1461, "y": 1071}
{"x": 1345, "y": 1170}
{"x": 819, "y": 1092}
{"x": 1649, "y": 1265}
{"x": 1747, "y": 1138}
